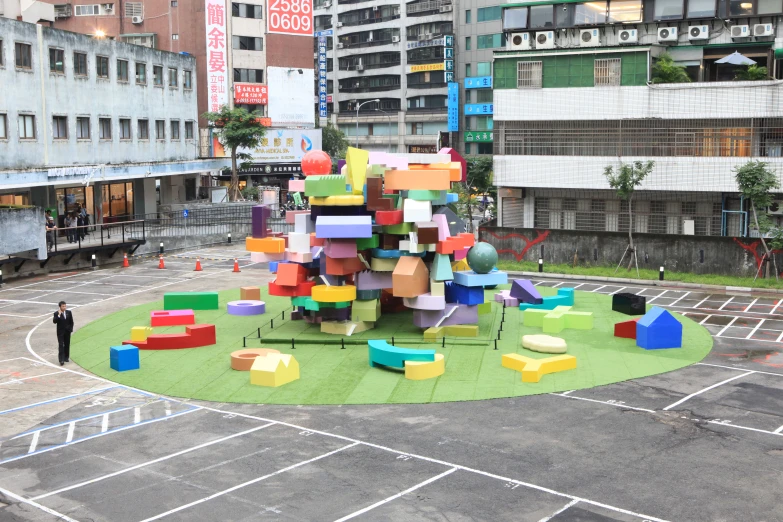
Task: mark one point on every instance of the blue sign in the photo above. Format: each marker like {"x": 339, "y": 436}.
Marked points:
{"x": 322, "y": 83}
{"x": 448, "y": 41}
{"x": 448, "y": 53}
{"x": 478, "y": 82}
{"x": 449, "y": 76}
{"x": 329, "y": 32}
{"x": 449, "y": 65}
{"x": 453, "y": 106}
{"x": 473, "y": 109}
{"x": 185, "y": 213}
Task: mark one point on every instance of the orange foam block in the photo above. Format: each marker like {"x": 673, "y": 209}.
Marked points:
{"x": 416, "y": 180}
{"x": 449, "y": 245}
{"x": 410, "y": 277}
{"x": 301, "y": 290}
{"x": 265, "y": 245}
{"x": 454, "y": 168}
{"x": 343, "y": 266}
{"x": 290, "y": 274}
{"x": 316, "y": 241}
{"x": 193, "y": 337}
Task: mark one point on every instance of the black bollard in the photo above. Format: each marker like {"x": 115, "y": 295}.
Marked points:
{"x": 540, "y": 265}
{"x": 229, "y": 238}
{"x": 272, "y": 324}
{"x": 342, "y": 344}
{"x": 496, "y": 344}
{"x": 443, "y": 344}
{"x": 161, "y": 248}
{"x": 93, "y": 264}
{"x": 392, "y": 341}
{"x": 244, "y": 342}
{"x": 283, "y": 315}
{"x": 292, "y": 344}
{"x": 259, "y": 333}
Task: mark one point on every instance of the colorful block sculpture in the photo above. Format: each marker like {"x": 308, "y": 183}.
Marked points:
{"x": 140, "y": 333}
{"x": 626, "y": 329}
{"x": 410, "y": 277}
{"x": 564, "y": 297}
{"x": 190, "y": 301}
{"x": 383, "y": 354}
{"x": 471, "y": 278}
{"x": 533, "y": 369}
{"x": 525, "y": 292}
{"x": 242, "y": 360}
{"x": 658, "y": 329}
{"x": 629, "y": 304}
{"x": 246, "y": 307}
{"x": 172, "y": 317}
{"x": 274, "y": 369}
{"x": 194, "y": 337}
{"x": 421, "y": 370}
{"x": 544, "y": 343}
{"x": 124, "y": 358}
{"x": 250, "y": 293}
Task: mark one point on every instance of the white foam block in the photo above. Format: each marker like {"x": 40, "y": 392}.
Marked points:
{"x": 413, "y": 211}
{"x": 303, "y": 224}
{"x": 299, "y": 242}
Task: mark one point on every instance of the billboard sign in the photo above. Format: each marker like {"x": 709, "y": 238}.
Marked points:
{"x": 285, "y": 145}
{"x": 478, "y": 136}
{"x": 322, "y": 97}
{"x": 474, "y": 109}
{"x": 251, "y": 93}
{"x": 453, "y": 107}
{"x": 478, "y": 82}
{"x": 426, "y": 67}
{"x": 290, "y": 97}
{"x": 290, "y": 17}
{"x": 448, "y": 61}
{"x": 217, "y": 72}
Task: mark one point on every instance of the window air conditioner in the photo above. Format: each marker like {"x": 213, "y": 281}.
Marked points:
{"x": 360, "y": 67}
{"x": 667, "y": 34}
{"x": 518, "y": 42}
{"x": 315, "y": 56}
{"x": 776, "y": 208}
{"x": 628, "y": 36}
{"x": 740, "y": 31}
{"x": 375, "y": 8}
{"x": 422, "y": 36}
{"x": 339, "y": 24}
{"x": 428, "y": 36}
{"x": 698, "y": 32}
{"x": 589, "y": 38}
{"x": 340, "y": 45}
{"x": 545, "y": 40}
{"x": 395, "y": 39}
{"x": 763, "y": 30}
{"x": 446, "y": 8}
{"x": 326, "y": 5}
{"x": 137, "y": 19}
{"x": 108, "y": 7}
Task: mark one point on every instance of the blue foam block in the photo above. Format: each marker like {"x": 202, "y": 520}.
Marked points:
{"x": 124, "y": 358}
{"x": 467, "y": 295}
{"x": 452, "y": 197}
{"x": 471, "y": 278}
{"x": 386, "y": 254}
{"x": 658, "y": 329}
{"x": 564, "y": 297}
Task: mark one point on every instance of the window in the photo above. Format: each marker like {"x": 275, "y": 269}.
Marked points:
{"x": 157, "y": 75}
{"x": 467, "y": 43}
{"x": 125, "y": 131}
{"x": 188, "y": 130}
{"x": 529, "y": 75}
{"x": 173, "y": 3}
{"x": 740, "y": 7}
{"x": 487, "y": 14}
{"x": 490, "y": 41}
{"x": 144, "y": 129}
{"x": 763, "y": 7}
{"x": 607, "y": 71}
{"x": 592, "y": 13}
{"x": 134, "y": 9}
{"x": 484, "y": 69}
{"x": 467, "y": 70}
{"x": 122, "y": 70}
{"x": 514, "y": 19}
{"x": 174, "y": 129}
{"x": 248, "y": 43}
{"x": 249, "y": 75}
{"x": 175, "y": 36}
{"x": 23, "y": 54}
{"x": 3, "y": 127}
{"x": 160, "y": 129}
{"x": 102, "y": 66}
{"x": 82, "y": 128}
{"x": 104, "y": 128}
{"x": 483, "y": 96}
{"x": 187, "y": 80}
{"x": 26, "y": 126}
{"x": 668, "y": 10}
{"x": 172, "y": 77}
{"x": 417, "y": 128}
{"x": 624, "y": 11}
{"x": 141, "y": 73}
{"x": 246, "y": 10}
{"x": 60, "y": 127}
{"x": 56, "y": 60}
{"x": 87, "y": 10}
{"x": 468, "y": 16}
{"x": 542, "y": 17}
{"x": 80, "y": 64}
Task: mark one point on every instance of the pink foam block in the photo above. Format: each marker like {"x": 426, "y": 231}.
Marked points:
{"x": 511, "y": 301}
{"x": 460, "y": 254}
{"x": 172, "y": 317}
{"x": 299, "y": 257}
{"x": 443, "y": 226}
{"x": 340, "y": 248}
{"x": 290, "y": 215}
{"x": 425, "y": 302}
{"x": 453, "y": 314}
{"x": 260, "y": 257}
{"x": 500, "y": 296}
{"x": 296, "y": 185}
{"x": 369, "y": 280}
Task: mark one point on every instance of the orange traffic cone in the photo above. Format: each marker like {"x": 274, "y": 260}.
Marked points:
{"x": 160, "y": 263}
{"x": 236, "y": 265}
{"x": 198, "y": 265}
{"x": 125, "y": 263}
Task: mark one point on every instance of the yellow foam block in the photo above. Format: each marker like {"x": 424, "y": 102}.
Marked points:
{"x": 356, "y": 160}
{"x": 437, "y": 288}
{"x": 533, "y": 369}
{"x": 265, "y": 245}
{"x": 433, "y": 333}
{"x": 461, "y": 330}
{"x": 460, "y": 266}
{"x": 274, "y": 369}
{"x": 140, "y": 333}
{"x": 337, "y": 201}
{"x": 346, "y": 328}
{"x": 416, "y": 180}
{"x": 420, "y": 370}
{"x": 383, "y": 264}
{"x": 334, "y": 294}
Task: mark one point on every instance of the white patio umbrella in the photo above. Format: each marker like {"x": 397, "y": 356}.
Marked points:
{"x": 736, "y": 58}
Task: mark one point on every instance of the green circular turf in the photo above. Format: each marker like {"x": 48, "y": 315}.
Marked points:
{"x": 331, "y": 375}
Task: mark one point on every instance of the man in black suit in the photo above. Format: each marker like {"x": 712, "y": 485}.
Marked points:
{"x": 64, "y": 320}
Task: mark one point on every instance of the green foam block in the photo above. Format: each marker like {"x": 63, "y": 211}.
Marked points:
{"x": 322, "y": 186}
{"x": 364, "y": 243}
{"x": 402, "y": 229}
{"x": 190, "y": 301}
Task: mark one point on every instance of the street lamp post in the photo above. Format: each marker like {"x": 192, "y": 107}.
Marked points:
{"x": 359, "y": 106}
{"x": 389, "y": 125}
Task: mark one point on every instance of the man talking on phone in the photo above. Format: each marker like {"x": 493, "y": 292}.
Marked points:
{"x": 63, "y": 318}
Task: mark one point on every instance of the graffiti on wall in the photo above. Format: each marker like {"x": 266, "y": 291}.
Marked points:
{"x": 529, "y": 243}
{"x": 753, "y": 247}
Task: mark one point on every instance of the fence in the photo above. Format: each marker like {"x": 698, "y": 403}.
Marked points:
{"x": 91, "y": 236}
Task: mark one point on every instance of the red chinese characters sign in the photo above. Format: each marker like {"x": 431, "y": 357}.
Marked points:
{"x": 250, "y": 93}
{"x": 217, "y": 68}
{"x": 290, "y": 17}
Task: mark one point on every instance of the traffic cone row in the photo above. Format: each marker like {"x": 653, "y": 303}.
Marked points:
{"x": 161, "y": 264}
{"x": 125, "y": 263}
{"x": 236, "y": 265}
{"x": 198, "y": 265}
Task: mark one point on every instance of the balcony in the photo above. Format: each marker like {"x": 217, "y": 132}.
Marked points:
{"x": 370, "y": 61}
{"x": 62, "y": 11}
{"x": 376, "y": 15}
{"x": 370, "y": 84}
{"x": 368, "y": 39}
{"x": 426, "y": 85}
{"x": 426, "y": 7}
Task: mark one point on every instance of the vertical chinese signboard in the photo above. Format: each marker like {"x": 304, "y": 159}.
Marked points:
{"x": 322, "y": 110}
{"x": 453, "y": 106}
{"x": 448, "y": 58}
{"x": 217, "y": 67}
{"x": 290, "y": 17}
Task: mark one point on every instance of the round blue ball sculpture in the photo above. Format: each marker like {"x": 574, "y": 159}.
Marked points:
{"x": 482, "y": 258}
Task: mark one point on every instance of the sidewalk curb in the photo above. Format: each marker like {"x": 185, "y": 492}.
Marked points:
{"x": 650, "y": 282}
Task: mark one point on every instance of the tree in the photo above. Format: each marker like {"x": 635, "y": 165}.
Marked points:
{"x": 756, "y": 182}
{"x": 624, "y": 182}
{"x": 236, "y": 128}
{"x": 334, "y": 142}
{"x": 751, "y": 73}
{"x": 666, "y": 71}
{"x": 478, "y": 182}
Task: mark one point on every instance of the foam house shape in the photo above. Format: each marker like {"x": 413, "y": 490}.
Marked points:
{"x": 194, "y": 336}
{"x": 658, "y": 329}
{"x": 274, "y": 369}
{"x": 379, "y": 239}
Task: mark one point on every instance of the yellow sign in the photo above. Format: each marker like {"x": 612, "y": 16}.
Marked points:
{"x": 428, "y": 67}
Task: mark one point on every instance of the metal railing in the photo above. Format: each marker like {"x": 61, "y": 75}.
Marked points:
{"x": 67, "y": 239}
{"x": 422, "y": 7}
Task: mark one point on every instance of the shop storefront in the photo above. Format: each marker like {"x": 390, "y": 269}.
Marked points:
{"x": 115, "y": 203}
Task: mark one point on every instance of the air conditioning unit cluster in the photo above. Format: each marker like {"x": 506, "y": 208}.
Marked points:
{"x": 698, "y": 32}
{"x": 360, "y": 67}
{"x": 518, "y": 42}
{"x": 446, "y": 8}
{"x": 589, "y": 38}
{"x": 667, "y": 34}
{"x": 339, "y": 24}
{"x": 545, "y": 40}
{"x": 776, "y": 208}
{"x": 628, "y": 36}
{"x": 763, "y": 30}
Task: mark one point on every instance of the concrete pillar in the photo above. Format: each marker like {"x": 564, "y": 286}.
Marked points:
{"x": 147, "y": 199}
{"x": 97, "y": 190}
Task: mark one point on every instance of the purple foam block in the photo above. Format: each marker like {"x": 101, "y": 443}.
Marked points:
{"x": 246, "y": 307}
{"x": 503, "y": 294}
{"x": 258, "y": 216}
{"x": 457, "y": 314}
{"x": 524, "y": 290}
{"x": 343, "y": 227}
{"x": 335, "y": 314}
{"x": 340, "y": 248}
{"x": 511, "y": 301}
{"x": 369, "y": 280}
{"x": 443, "y": 226}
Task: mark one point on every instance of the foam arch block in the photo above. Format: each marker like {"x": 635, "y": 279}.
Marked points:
{"x": 533, "y": 369}
{"x": 421, "y": 370}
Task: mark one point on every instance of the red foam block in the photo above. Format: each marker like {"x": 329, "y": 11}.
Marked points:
{"x": 449, "y": 245}
{"x": 194, "y": 337}
{"x": 389, "y": 217}
{"x": 172, "y": 317}
{"x": 304, "y": 289}
{"x": 626, "y": 329}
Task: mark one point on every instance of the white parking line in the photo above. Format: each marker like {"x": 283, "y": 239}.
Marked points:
{"x": 779, "y": 430}
{"x": 708, "y": 388}
{"x": 553, "y": 515}
{"x": 750, "y": 305}
{"x": 618, "y": 404}
{"x": 727, "y": 326}
{"x": 36, "y": 505}
{"x": 71, "y": 428}
{"x": 598, "y": 290}
{"x": 705, "y": 319}
{"x": 656, "y": 297}
{"x": 398, "y": 495}
{"x": 683, "y": 296}
{"x": 34, "y": 442}
{"x": 618, "y": 290}
{"x": 697, "y": 305}
{"x": 727, "y": 302}
{"x": 772, "y": 312}
{"x": 756, "y": 328}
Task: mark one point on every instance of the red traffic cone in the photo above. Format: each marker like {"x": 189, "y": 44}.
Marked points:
{"x": 198, "y": 265}
{"x": 125, "y": 263}
{"x": 160, "y": 263}
{"x": 236, "y": 266}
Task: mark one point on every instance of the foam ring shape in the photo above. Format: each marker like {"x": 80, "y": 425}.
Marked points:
{"x": 246, "y": 307}
{"x": 242, "y": 360}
